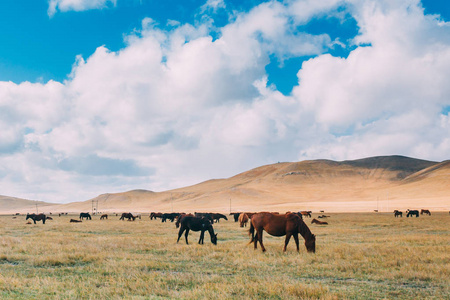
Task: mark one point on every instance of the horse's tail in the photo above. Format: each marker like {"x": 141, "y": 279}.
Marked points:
{"x": 251, "y": 232}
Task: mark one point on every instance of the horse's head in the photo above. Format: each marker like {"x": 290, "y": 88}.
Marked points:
{"x": 28, "y": 216}
{"x": 214, "y": 238}
{"x": 310, "y": 244}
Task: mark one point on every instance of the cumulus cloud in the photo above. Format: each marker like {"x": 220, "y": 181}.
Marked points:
{"x": 176, "y": 107}
{"x": 77, "y": 5}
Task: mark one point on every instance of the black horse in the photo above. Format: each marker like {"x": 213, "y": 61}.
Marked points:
{"x": 169, "y": 216}
{"x": 196, "y": 224}
{"x": 85, "y": 215}
{"x": 412, "y": 213}
{"x": 204, "y": 215}
{"x": 129, "y": 216}
{"x": 235, "y": 216}
{"x": 39, "y": 217}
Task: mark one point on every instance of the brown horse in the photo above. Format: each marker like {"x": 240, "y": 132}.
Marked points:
{"x": 314, "y": 221}
{"x": 216, "y": 217}
{"x": 243, "y": 220}
{"x": 306, "y": 213}
{"x": 425, "y": 211}
{"x": 181, "y": 216}
{"x": 39, "y": 217}
{"x": 129, "y": 216}
{"x": 279, "y": 225}
{"x": 105, "y": 216}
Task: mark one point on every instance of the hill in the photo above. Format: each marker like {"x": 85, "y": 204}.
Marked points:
{"x": 12, "y": 204}
{"x": 384, "y": 183}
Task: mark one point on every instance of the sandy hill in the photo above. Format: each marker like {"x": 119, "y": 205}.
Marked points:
{"x": 12, "y": 204}
{"x": 384, "y": 183}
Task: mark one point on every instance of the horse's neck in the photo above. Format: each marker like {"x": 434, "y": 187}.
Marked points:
{"x": 304, "y": 230}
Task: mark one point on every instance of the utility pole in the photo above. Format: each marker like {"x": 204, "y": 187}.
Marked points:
{"x": 230, "y": 205}
{"x": 37, "y": 212}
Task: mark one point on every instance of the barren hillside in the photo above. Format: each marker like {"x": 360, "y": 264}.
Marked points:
{"x": 384, "y": 183}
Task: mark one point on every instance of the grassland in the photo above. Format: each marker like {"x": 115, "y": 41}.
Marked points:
{"x": 359, "y": 256}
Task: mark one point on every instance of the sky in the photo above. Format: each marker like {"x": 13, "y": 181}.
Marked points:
{"x": 104, "y": 96}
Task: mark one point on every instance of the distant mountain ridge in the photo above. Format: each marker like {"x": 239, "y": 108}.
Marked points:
{"x": 350, "y": 185}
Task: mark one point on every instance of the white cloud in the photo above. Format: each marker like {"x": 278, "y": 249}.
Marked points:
{"x": 176, "y": 107}
{"x": 77, "y": 5}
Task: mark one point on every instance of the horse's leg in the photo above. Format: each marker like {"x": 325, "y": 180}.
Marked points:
{"x": 180, "y": 232}
{"x": 286, "y": 241}
{"x": 259, "y": 235}
{"x": 202, "y": 236}
{"x": 296, "y": 241}
{"x": 186, "y": 235}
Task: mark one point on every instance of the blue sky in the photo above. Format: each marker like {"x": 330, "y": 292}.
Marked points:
{"x": 112, "y": 95}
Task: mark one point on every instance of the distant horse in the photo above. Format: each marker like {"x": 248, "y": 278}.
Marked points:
{"x": 204, "y": 215}
{"x": 217, "y": 217}
{"x": 196, "y": 224}
{"x": 180, "y": 217}
{"x": 128, "y": 216}
{"x": 235, "y": 216}
{"x": 49, "y": 218}
{"x": 169, "y": 216}
{"x": 425, "y": 211}
{"x": 85, "y": 215}
{"x": 75, "y": 221}
{"x": 412, "y": 213}
{"x": 243, "y": 220}
{"x": 279, "y": 225}
{"x": 34, "y": 217}
{"x": 105, "y": 216}
{"x": 398, "y": 213}
{"x": 306, "y": 213}
{"x": 154, "y": 215}
{"x": 314, "y": 221}
{"x": 323, "y": 216}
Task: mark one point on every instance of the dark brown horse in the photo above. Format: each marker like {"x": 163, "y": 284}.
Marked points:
{"x": 314, "y": 221}
{"x": 155, "y": 215}
{"x": 128, "y": 216}
{"x": 279, "y": 225}
{"x": 411, "y": 213}
{"x": 235, "y": 216}
{"x": 85, "y": 215}
{"x": 181, "y": 216}
{"x": 216, "y": 217}
{"x": 35, "y": 217}
{"x": 398, "y": 213}
{"x": 105, "y": 216}
{"x": 425, "y": 211}
{"x": 75, "y": 221}
{"x": 196, "y": 224}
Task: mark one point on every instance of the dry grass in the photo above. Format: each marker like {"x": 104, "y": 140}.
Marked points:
{"x": 359, "y": 256}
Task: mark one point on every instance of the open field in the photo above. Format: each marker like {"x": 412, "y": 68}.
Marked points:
{"x": 358, "y": 256}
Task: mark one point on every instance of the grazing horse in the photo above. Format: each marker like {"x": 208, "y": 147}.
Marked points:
{"x": 180, "y": 217}
{"x": 196, "y": 224}
{"x": 243, "y": 220}
{"x": 412, "y": 213}
{"x": 204, "y": 215}
{"x": 398, "y": 213}
{"x": 75, "y": 221}
{"x": 34, "y": 217}
{"x": 323, "y": 216}
{"x": 129, "y": 216}
{"x": 425, "y": 211}
{"x": 85, "y": 215}
{"x": 105, "y": 216}
{"x": 154, "y": 215}
{"x": 279, "y": 225}
{"x": 306, "y": 213}
{"x": 169, "y": 216}
{"x": 217, "y": 217}
{"x": 314, "y": 221}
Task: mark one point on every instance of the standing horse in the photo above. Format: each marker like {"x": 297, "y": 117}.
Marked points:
{"x": 279, "y": 225}
{"x": 235, "y": 216}
{"x": 425, "y": 211}
{"x": 129, "y": 216}
{"x": 398, "y": 213}
{"x": 196, "y": 224}
{"x": 105, "y": 216}
{"x": 217, "y": 217}
{"x": 306, "y": 213}
{"x": 155, "y": 215}
{"x": 85, "y": 215}
{"x": 314, "y": 221}
{"x": 412, "y": 213}
{"x": 243, "y": 220}
{"x": 34, "y": 217}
